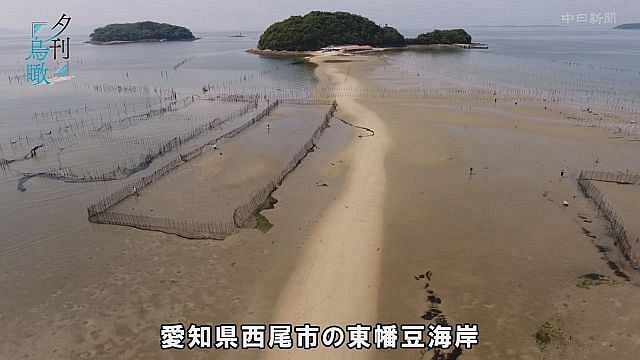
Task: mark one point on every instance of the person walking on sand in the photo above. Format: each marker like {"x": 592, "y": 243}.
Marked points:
{"x": 470, "y": 171}
{"x": 562, "y": 173}
{"x": 135, "y": 191}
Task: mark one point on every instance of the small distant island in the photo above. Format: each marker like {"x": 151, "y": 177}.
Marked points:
{"x": 348, "y": 33}
{"x": 444, "y": 37}
{"x": 145, "y": 31}
{"x": 630, "y": 26}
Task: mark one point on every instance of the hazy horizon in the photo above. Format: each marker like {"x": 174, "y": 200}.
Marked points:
{"x": 251, "y": 15}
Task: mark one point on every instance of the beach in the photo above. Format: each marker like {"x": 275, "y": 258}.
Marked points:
{"x": 501, "y": 249}
{"x": 451, "y": 213}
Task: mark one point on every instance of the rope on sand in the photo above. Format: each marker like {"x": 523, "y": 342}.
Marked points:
{"x": 371, "y": 132}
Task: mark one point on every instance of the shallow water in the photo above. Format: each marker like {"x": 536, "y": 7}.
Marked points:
{"x": 86, "y": 122}
{"x": 590, "y": 66}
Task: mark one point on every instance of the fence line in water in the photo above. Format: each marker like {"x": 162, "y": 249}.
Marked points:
{"x": 575, "y": 105}
{"x": 120, "y": 195}
{"x": 153, "y": 148}
{"x": 620, "y": 124}
{"x": 123, "y": 171}
{"x": 101, "y": 212}
{"x": 244, "y": 212}
{"x": 79, "y": 130}
{"x": 617, "y": 229}
{"x": 190, "y": 229}
{"x": 68, "y": 132}
{"x": 620, "y": 178}
{"x": 618, "y": 118}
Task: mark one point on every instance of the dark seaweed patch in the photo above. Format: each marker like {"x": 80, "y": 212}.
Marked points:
{"x": 431, "y": 314}
{"x": 616, "y": 270}
{"x": 439, "y": 355}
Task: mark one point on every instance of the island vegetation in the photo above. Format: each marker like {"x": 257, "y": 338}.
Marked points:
{"x": 454, "y": 36}
{"x": 140, "y": 31}
{"x": 630, "y": 26}
{"x": 319, "y": 29}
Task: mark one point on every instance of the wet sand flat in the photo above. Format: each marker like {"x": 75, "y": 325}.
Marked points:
{"x": 499, "y": 248}
{"x": 103, "y": 291}
{"x": 212, "y": 186}
{"x": 625, "y": 199}
{"x": 500, "y": 245}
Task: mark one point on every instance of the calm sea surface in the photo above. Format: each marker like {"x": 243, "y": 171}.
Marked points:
{"x": 546, "y": 58}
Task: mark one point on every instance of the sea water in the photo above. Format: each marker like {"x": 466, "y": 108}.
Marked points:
{"x": 593, "y": 65}
{"x": 108, "y": 83}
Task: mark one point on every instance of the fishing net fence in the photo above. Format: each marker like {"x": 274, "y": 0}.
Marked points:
{"x": 102, "y": 211}
{"x": 616, "y": 226}
{"x": 163, "y": 148}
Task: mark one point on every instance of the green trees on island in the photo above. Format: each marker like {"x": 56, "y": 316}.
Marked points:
{"x": 140, "y": 31}
{"x": 310, "y": 32}
{"x": 319, "y": 29}
{"x": 454, "y": 36}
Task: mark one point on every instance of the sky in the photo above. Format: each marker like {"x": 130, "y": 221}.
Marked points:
{"x": 255, "y": 15}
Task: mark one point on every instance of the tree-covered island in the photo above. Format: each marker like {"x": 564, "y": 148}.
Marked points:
{"x": 319, "y": 29}
{"x": 139, "y": 32}
{"x": 448, "y": 37}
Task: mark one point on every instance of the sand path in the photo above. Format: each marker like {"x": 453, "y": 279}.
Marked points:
{"x": 336, "y": 280}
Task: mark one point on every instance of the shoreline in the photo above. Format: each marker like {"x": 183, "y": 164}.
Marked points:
{"x": 121, "y": 42}
{"x": 411, "y": 47}
{"x": 281, "y": 53}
